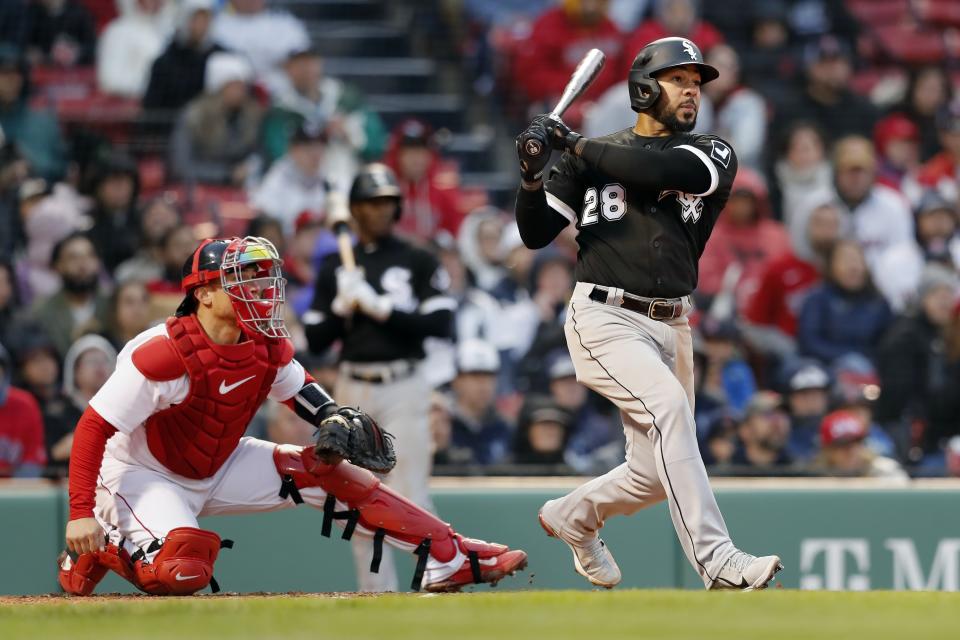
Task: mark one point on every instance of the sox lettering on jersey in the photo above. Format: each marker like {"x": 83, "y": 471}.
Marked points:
{"x": 690, "y": 206}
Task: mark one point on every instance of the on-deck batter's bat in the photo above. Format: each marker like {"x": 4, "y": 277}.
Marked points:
{"x": 339, "y": 218}
{"x": 583, "y": 76}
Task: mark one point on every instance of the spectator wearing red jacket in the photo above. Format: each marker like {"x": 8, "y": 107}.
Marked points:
{"x": 559, "y": 39}
{"x": 745, "y": 236}
{"x": 22, "y": 453}
{"x": 431, "y": 187}
{"x": 771, "y": 311}
{"x": 673, "y": 18}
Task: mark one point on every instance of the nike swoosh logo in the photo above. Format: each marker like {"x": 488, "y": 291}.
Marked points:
{"x": 180, "y": 578}
{"x": 227, "y": 388}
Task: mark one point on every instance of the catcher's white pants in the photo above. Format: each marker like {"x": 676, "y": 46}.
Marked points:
{"x": 401, "y": 407}
{"x": 137, "y": 504}
{"x": 645, "y": 367}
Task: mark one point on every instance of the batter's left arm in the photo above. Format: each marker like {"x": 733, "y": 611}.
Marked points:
{"x": 686, "y": 168}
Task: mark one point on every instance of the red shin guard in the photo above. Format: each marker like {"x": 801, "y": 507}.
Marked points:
{"x": 374, "y": 506}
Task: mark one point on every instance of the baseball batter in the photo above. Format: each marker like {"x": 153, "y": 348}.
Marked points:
{"x": 382, "y": 311}
{"x": 644, "y": 201}
{"x": 161, "y": 444}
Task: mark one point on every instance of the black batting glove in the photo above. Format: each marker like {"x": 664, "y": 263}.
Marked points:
{"x": 535, "y": 137}
{"x": 562, "y": 137}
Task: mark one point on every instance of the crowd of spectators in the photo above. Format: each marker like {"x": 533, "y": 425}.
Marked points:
{"x": 827, "y": 330}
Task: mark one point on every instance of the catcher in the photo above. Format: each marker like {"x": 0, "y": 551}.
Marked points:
{"x": 161, "y": 444}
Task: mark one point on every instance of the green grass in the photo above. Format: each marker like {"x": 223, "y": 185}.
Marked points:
{"x": 774, "y": 614}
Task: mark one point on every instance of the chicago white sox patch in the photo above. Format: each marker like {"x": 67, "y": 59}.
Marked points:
{"x": 720, "y": 152}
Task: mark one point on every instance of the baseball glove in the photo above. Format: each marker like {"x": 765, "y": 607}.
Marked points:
{"x": 353, "y": 435}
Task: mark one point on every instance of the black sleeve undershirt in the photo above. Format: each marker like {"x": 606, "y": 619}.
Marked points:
{"x": 648, "y": 168}
{"x": 538, "y": 223}
{"x": 436, "y": 324}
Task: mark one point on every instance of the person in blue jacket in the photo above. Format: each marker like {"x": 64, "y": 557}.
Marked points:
{"x": 845, "y": 314}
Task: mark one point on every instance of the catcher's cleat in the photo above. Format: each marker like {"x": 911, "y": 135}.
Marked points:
{"x": 744, "y": 572}
{"x": 592, "y": 560}
{"x": 485, "y": 563}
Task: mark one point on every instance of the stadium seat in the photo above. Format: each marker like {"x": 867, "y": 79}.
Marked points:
{"x": 358, "y": 39}
{"x": 939, "y": 12}
{"x": 439, "y": 109}
{"x": 911, "y": 45}
{"x": 879, "y": 12}
{"x": 309, "y": 10}
{"x": 395, "y": 75}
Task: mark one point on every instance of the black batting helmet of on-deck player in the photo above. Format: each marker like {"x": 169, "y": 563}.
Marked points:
{"x": 377, "y": 180}
{"x": 661, "y": 54}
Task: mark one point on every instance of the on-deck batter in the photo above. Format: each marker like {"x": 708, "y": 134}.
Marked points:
{"x": 161, "y": 444}
{"x": 381, "y": 312}
{"x": 645, "y": 201}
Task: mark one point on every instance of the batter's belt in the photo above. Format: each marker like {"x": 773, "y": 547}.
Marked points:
{"x": 654, "y": 308}
{"x": 379, "y": 372}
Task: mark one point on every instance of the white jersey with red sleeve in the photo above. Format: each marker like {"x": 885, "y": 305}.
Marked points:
{"x": 129, "y": 398}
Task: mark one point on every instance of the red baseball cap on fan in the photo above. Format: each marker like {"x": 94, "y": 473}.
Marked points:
{"x": 895, "y": 126}
{"x": 841, "y": 427}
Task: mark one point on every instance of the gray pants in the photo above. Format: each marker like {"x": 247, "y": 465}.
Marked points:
{"x": 400, "y": 407}
{"x": 645, "y": 367}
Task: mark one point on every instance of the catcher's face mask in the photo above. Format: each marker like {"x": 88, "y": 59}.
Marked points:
{"x": 251, "y": 275}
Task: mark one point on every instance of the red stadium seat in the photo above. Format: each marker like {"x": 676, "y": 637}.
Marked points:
{"x": 939, "y": 12}
{"x": 879, "y": 12}
{"x": 912, "y": 45}
{"x": 53, "y": 84}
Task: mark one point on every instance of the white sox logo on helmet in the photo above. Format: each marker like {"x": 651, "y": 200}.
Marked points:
{"x": 690, "y": 49}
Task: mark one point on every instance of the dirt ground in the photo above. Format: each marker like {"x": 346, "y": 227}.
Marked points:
{"x": 60, "y": 597}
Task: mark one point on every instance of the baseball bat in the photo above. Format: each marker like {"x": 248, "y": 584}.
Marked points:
{"x": 340, "y": 224}
{"x": 583, "y": 76}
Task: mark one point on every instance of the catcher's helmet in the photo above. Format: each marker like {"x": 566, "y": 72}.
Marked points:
{"x": 376, "y": 180}
{"x": 661, "y": 54}
{"x": 249, "y": 270}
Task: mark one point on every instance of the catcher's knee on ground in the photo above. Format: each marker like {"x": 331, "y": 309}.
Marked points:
{"x": 374, "y": 507}
{"x": 182, "y": 566}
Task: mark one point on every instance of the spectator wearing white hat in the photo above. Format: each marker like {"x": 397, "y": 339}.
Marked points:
{"x": 265, "y": 37}
{"x": 129, "y": 45}
{"x": 216, "y": 136}
{"x": 477, "y": 426}
{"x": 807, "y": 401}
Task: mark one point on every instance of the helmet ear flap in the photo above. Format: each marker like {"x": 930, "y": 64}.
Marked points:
{"x": 644, "y": 90}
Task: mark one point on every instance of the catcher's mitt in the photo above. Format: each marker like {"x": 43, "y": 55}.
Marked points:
{"x": 353, "y": 435}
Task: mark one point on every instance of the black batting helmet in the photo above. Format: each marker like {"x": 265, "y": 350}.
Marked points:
{"x": 661, "y": 54}
{"x": 376, "y": 180}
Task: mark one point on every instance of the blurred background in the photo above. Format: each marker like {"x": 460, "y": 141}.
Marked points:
{"x": 828, "y": 325}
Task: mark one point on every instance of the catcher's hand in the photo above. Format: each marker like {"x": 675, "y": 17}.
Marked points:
{"x": 353, "y": 435}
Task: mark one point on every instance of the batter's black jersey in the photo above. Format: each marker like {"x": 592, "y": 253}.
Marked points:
{"x": 644, "y": 241}
{"x": 416, "y": 285}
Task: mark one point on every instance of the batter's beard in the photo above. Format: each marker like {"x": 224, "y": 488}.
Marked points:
{"x": 670, "y": 120}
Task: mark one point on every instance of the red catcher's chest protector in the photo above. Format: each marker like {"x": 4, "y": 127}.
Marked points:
{"x": 228, "y": 383}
